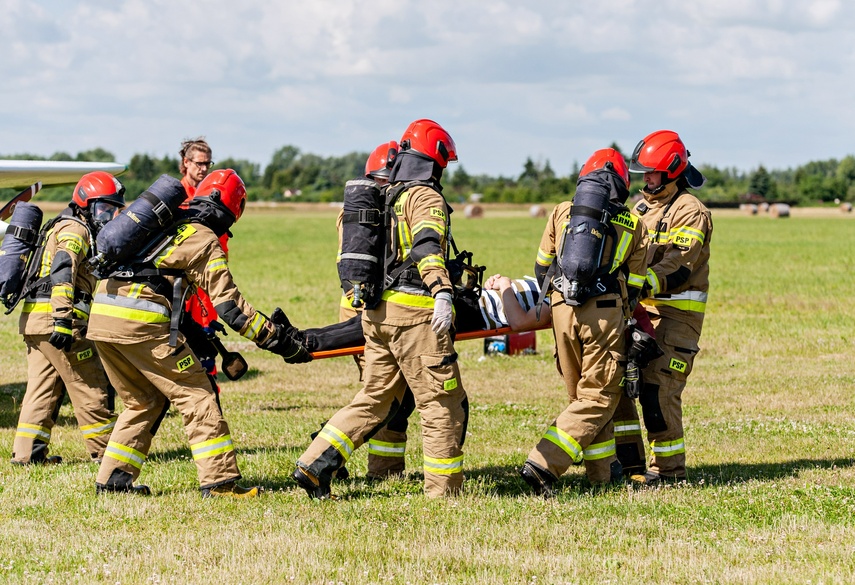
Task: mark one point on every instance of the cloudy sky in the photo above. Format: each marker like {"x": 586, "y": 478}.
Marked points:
{"x": 744, "y": 82}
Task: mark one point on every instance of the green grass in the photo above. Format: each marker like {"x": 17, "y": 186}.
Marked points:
{"x": 770, "y": 417}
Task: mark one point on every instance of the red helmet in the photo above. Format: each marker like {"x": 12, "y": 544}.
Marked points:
{"x": 98, "y": 185}
{"x": 661, "y": 151}
{"x": 379, "y": 163}
{"x": 429, "y": 139}
{"x": 225, "y": 187}
{"x": 607, "y": 158}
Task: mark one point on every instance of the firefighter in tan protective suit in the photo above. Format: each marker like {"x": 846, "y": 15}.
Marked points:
{"x": 53, "y": 322}
{"x": 679, "y": 227}
{"x": 408, "y": 333}
{"x": 387, "y": 447}
{"x": 131, "y": 327}
{"x": 598, "y": 270}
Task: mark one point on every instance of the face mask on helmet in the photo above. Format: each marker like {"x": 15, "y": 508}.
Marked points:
{"x": 430, "y": 140}
{"x": 103, "y": 210}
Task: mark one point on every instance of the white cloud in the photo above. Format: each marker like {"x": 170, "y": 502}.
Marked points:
{"x": 553, "y": 79}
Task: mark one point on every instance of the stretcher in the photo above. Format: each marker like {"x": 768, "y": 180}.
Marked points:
{"x": 463, "y": 336}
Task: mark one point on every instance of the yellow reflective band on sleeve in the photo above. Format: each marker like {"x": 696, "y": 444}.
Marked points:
{"x": 65, "y": 291}
{"x": 216, "y": 264}
{"x": 255, "y": 325}
{"x": 29, "y": 431}
{"x": 61, "y": 329}
{"x": 384, "y": 449}
{"x": 84, "y": 355}
{"x": 98, "y": 429}
{"x": 690, "y": 300}
{"x": 600, "y": 450}
{"x": 432, "y": 260}
{"x": 408, "y": 300}
{"x": 677, "y": 365}
{"x": 125, "y": 454}
{"x": 543, "y": 258}
{"x": 620, "y": 251}
{"x": 655, "y": 236}
{"x": 449, "y": 385}
{"x": 185, "y": 363}
{"x": 338, "y": 440}
{"x": 684, "y": 235}
{"x": 429, "y": 225}
{"x": 636, "y": 280}
{"x": 567, "y": 443}
{"x": 448, "y": 466}
{"x": 73, "y": 243}
{"x": 655, "y": 287}
{"x": 212, "y": 447}
{"x": 627, "y": 428}
{"x": 36, "y": 307}
{"x": 668, "y": 448}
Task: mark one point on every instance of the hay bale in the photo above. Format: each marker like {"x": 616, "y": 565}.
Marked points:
{"x": 763, "y": 207}
{"x": 779, "y": 210}
{"x": 748, "y": 208}
{"x": 537, "y": 211}
{"x": 846, "y": 207}
{"x": 473, "y": 211}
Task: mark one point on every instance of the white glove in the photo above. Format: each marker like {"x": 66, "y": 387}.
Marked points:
{"x": 441, "y": 321}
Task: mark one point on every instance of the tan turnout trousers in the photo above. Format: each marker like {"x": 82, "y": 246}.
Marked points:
{"x": 590, "y": 340}
{"x": 50, "y": 373}
{"x": 148, "y": 376}
{"x": 396, "y": 356}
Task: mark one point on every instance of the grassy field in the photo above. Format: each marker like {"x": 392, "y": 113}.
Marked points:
{"x": 770, "y": 416}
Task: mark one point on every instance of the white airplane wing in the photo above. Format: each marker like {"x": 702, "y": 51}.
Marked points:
{"x": 21, "y": 173}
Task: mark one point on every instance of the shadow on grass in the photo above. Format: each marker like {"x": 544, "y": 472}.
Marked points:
{"x": 505, "y": 481}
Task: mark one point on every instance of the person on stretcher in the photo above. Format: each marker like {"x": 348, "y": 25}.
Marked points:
{"x": 503, "y": 302}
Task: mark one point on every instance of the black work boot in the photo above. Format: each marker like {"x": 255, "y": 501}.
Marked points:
{"x": 122, "y": 482}
{"x": 616, "y": 472}
{"x": 139, "y": 490}
{"x": 315, "y": 487}
{"x": 49, "y": 460}
{"x": 540, "y": 480}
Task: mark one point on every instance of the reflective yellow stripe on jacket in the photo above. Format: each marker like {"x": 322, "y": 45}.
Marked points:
{"x": 407, "y": 299}
{"x": 132, "y": 309}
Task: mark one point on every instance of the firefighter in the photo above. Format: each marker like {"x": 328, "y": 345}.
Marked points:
{"x": 195, "y": 164}
{"x": 53, "y": 322}
{"x": 131, "y": 326}
{"x": 589, "y": 318}
{"x": 407, "y": 335}
{"x": 386, "y": 449}
{"x": 679, "y": 227}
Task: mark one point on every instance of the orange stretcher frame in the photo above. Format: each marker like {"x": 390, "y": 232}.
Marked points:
{"x": 479, "y": 334}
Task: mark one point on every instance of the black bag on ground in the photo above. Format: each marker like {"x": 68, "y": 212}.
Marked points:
{"x": 20, "y": 240}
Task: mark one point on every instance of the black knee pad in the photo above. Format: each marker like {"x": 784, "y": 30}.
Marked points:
{"x": 654, "y": 420}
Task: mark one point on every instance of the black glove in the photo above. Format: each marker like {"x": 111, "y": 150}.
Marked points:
{"x": 643, "y": 348}
{"x": 197, "y": 339}
{"x": 283, "y": 344}
{"x": 632, "y": 380}
{"x": 62, "y": 337}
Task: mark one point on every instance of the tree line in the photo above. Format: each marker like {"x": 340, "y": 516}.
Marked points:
{"x": 292, "y": 175}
